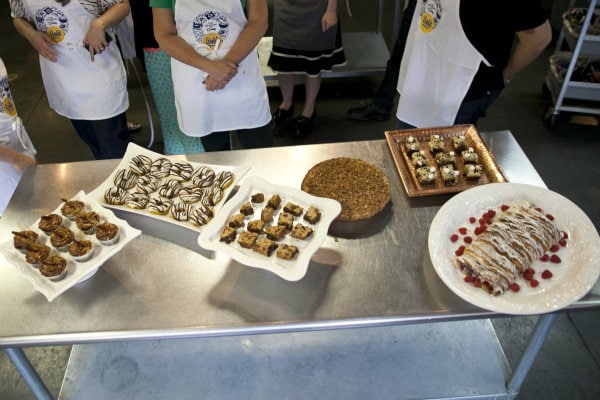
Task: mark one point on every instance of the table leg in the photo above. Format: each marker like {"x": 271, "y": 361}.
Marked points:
{"x": 29, "y": 374}
{"x": 536, "y": 339}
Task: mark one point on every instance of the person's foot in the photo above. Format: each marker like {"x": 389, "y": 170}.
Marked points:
{"x": 133, "y": 126}
{"x": 304, "y": 125}
{"x": 281, "y": 115}
{"x": 368, "y": 113}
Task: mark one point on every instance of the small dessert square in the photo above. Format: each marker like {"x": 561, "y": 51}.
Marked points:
{"x": 445, "y": 158}
{"x": 247, "y": 208}
{"x": 293, "y": 209}
{"x": 312, "y": 215}
{"x": 411, "y": 144}
{"x": 276, "y": 232}
{"x": 256, "y": 225}
{"x": 264, "y": 246}
{"x": 449, "y": 175}
{"x": 228, "y": 234}
{"x": 419, "y": 159}
{"x": 300, "y": 231}
{"x": 470, "y": 156}
{"x": 286, "y": 219}
{"x": 236, "y": 221}
{"x": 459, "y": 143}
{"x": 472, "y": 171}
{"x": 274, "y": 202}
{"x": 257, "y": 198}
{"x": 287, "y": 251}
{"x": 267, "y": 214}
{"x": 436, "y": 144}
{"x": 247, "y": 239}
{"x": 426, "y": 175}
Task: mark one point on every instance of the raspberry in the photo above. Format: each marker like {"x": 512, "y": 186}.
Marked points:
{"x": 546, "y": 274}
{"x": 555, "y": 259}
{"x": 454, "y": 238}
{"x": 545, "y": 258}
{"x": 469, "y": 278}
{"x": 459, "y": 252}
{"x": 468, "y": 239}
{"x": 565, "y": 235}
{"x": 477, "y": 283}
{"x": 538, "y": 209}
{"x": 534, "y": 283}
{"x": 550, "y": 217}
{"x": 462, "y": 230}
{"x": 530, "y": 271}
{"x": 554, "y": 248}
{"x": 563, "y": 242}
{"x": 504, "y": 207}
{"x": 472, "y": 220}
{"x": 515, "y": 287}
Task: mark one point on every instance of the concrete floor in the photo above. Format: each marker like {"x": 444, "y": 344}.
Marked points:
{"x": 568, "y": 366}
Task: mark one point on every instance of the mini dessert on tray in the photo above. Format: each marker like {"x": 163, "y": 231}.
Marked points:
{"x": 21, "y": 239}
{"x": 107, "y": 233}
{"x": 48, "y": 223}
{"x": 86, "y": 221}
{"x": 70, "y": 208}
{"x": 81, "y": 250}
{"x": 61, "y": 238}
{"x": 36, "y": 253}
{"x": 54, "y": 267}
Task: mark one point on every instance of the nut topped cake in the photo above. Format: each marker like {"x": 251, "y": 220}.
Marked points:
{"x": 361, "y": 188}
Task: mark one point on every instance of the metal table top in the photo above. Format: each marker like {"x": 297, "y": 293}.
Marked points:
{"x": 369, "y": 275}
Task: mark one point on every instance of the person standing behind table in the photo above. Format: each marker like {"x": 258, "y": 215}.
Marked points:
{"x": 88, "y": 86}
{"x": 16, "y": 150}
{"x": 217, "y": 80}
{"x": 157, "y": 65}
{"x": 459, "y": 55}
{"x": 307, "y": 40}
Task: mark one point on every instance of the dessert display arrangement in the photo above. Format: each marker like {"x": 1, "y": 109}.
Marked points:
{"x": 361, "y": 188}
{"x": 168, "y": 188}
{"x": 514, "y": 248}
{"x": 67, "y": 245}
{"x": 277, "y": 228}
{"x": 442, "y": 160}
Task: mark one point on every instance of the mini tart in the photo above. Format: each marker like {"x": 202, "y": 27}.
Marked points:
{"x": 54, "y": 267}
{"x": 61, "y": 238}
{"x": 48, "y": 223}
{"x": 81, "y": 250}
{"x": 21, "y": 239}
{"x": 361, "y": 188}
{"x": 87, "y": 221}
{"x": 36, "y": 253}
{"x": 70, "y": 208}
{"x": 107, "y": 233}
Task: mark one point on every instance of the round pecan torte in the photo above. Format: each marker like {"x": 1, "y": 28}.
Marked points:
{"x": 361, "y": 188}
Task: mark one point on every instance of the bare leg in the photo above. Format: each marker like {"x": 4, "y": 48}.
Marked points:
{"x": 286, "y": 85}
{"x": 311, "y": 86}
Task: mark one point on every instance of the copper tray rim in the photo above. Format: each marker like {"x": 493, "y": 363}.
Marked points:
{"x": 493, "y": 170}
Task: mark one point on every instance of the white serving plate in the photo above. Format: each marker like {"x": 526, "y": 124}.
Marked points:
{"x": 134, "y": 150}
{"x": 572, "y": 278}
{"x": 292, "y": 270}
{"x": 76, "y": 271}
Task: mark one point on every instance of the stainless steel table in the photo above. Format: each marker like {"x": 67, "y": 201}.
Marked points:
{"x": 364, "y": 276}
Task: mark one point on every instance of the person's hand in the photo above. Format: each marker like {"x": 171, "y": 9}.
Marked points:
{"x": 329, "y": 20}
{"x": 219, "y": 74}
{"x": 22, "y": 161}
{"x": 95, "y": 40}
{"x": 44, "y": 45}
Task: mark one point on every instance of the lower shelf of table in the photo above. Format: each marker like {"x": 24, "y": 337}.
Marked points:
{"x": 461, "y": 359}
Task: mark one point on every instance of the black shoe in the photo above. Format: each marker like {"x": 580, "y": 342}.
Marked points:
{"x": 281, "y": 115}
{"x": 304, "y": 125}
{"x": 368, "y": 113}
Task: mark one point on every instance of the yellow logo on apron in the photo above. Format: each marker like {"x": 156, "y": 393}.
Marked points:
{"x": 427, "y": 23}
{"x": 56, "y": 34}
{"x": 9, "y": 107}
{"x": 212, "y": 40}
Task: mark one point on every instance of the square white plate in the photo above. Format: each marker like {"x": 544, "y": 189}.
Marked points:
{"x": 134, "y": 150}
{"x": 76, "y": 271}
{"x": 291, "y": 270}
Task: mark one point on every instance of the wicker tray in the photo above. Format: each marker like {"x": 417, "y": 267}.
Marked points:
{"x": 396, "y": 139}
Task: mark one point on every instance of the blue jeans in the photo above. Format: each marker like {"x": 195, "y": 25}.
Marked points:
{"x": 107, "y": 138}
{"x": 469, "y": 112}
{"x": 249, "y": 138}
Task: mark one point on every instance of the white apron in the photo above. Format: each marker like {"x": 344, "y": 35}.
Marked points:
{"x": 12, "y": 136}
{"x": 438, "y": 65}
{"x": 78, "y": 88}
{"x": 211, "y": 27}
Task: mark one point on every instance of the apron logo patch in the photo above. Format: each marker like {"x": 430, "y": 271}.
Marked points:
{"x": 8, "y": 106}
{"x": 210, "y": 29}
{"x": 52, "y": 21}
{"x": 430, "y": 15}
